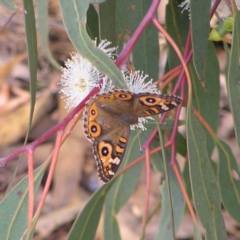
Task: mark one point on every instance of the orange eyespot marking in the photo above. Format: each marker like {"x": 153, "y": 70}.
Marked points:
{"x": 106, "y": 98}
{"x": 123, "y": 96}
{"x": 105, "y": 150}
{"x": 94, "y": 129}
{"x": 93, "y": 112}
{"x": 119, "y": 149}
{"x": 123, "y": 140}
{"x": 148, "y": 101}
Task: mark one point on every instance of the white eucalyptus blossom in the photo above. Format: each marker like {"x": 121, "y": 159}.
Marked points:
{"x": 106, "y": 85}
{"x": 80, "y": 77}
{"x": 141, "y": 122}
{"x": 136, "y": 82}
{"x": 185, "y": 5}
{"x": 111, "y": 52}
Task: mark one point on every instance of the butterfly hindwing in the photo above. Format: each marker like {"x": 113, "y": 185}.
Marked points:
{"x": 109, "y": 153}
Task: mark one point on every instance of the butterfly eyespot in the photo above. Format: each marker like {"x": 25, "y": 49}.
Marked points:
{"x": 107, "y": 97}
{"x": 123, "y": 96}
{"x": 93, "y": 112}
{"x": 148, "y": 101}
{"x": 105, "y": 151}
{"x": 94, "y": 129}
{"x": 151, "y": 100}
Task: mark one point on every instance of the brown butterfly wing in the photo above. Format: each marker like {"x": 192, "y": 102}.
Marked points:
{"x": 149, "y": 104}
{"x": 109, "y": 152}
{"x": 106, "y": 127}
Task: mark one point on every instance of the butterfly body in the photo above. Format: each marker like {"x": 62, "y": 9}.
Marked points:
{"x": 107, "y": 121}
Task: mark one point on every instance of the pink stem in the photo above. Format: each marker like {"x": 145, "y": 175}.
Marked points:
{"x": 51, "y": 172}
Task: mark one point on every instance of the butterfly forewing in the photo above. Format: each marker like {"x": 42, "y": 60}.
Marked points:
{"x": 153, "y": 104}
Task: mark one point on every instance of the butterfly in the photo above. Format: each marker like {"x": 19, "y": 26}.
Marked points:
{"x": 107, "y": 121}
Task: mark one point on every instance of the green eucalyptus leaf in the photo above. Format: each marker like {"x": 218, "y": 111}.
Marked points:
{"x": 233, "y": 76}
{"x": 200, "y": 15}
{"x": 85, "y": 225}
{"x": 77, "y": 32}
{"x": 178, "y": 204}
{"x": 205, "y": 190}
{"x": 228, "y": 177}
{"x": 14, "y": 207}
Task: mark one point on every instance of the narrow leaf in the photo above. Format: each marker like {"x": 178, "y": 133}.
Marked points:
{"x": 85, "y": 225}
{"x": 178, "y": 204}
{"x": 205, "y": 191}
{"x": 108, "y": 23}
{"x": 76, "y": 30}
{"x": 228, "y": 178}
{"x": 206, "y": 102}
{"x": 14, "y": 207}
{"x": 42, "y": 13}
{"x": 92, "y": 23}
{"x": 177, "y": 23}
{"x": 200, "y": 15}
{"x": 146, "y": 52}
{"x": 233, "y": 75}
